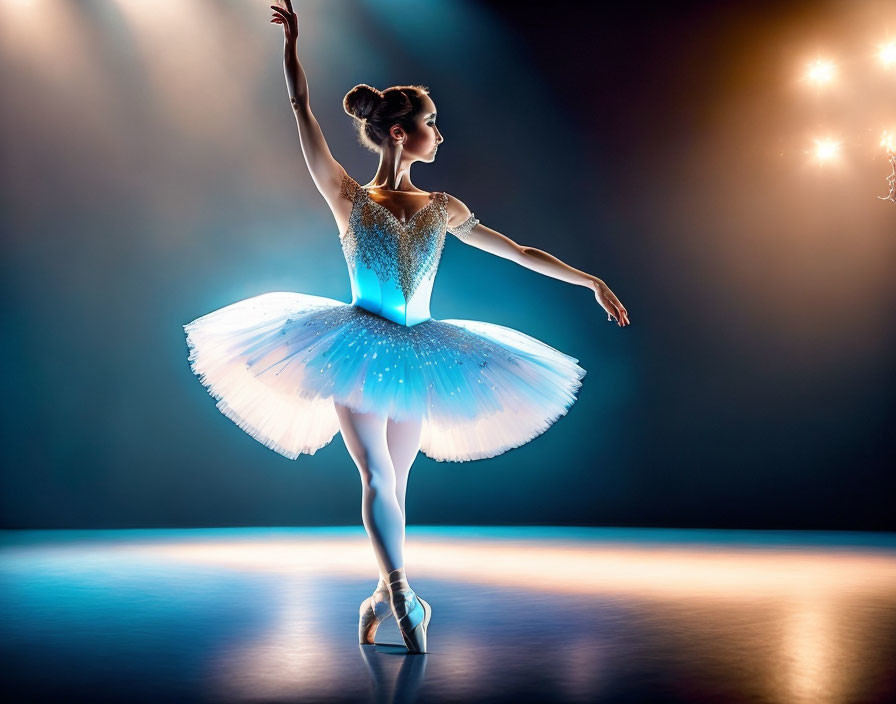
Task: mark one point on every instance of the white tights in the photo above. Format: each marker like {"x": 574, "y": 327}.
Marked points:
{"x": 383, "y": 450}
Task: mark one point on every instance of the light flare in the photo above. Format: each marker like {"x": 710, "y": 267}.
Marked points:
{"x": 888, "y": 142}
{"x": 887, "y": 54}
{"x": 826, "y": 150}
{"x": 821, "y": 72}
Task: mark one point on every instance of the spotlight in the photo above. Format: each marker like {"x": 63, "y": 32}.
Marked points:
{"x": 821, "y": 72}
{"x": 826, "y": 150}
{"x": 887, "y": 54}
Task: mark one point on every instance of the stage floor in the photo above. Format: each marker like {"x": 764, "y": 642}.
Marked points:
{"x": 519, "y": 614}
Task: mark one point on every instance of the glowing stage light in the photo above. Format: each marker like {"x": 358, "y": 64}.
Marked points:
{"x": 887, "y": 54}
{"x": 821, "y": 72}
{"x": 826, "y": 150}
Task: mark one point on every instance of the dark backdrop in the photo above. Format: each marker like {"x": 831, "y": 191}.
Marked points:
{"x": 152, "y": 173}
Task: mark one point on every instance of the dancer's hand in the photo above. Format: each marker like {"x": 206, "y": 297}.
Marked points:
{"x": 288, "y": 19}
{"x": 615, "y": 310}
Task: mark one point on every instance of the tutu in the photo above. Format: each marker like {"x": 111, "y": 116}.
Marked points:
{"x": 277, "y": 362}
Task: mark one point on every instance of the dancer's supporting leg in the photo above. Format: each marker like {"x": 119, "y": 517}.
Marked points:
{"x": 364, "y": 435}
{"x": 403, "y": 439}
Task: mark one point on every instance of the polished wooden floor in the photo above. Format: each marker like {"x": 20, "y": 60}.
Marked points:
{"x": 519, "y": 614}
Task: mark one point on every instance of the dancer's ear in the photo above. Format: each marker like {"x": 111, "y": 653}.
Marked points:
{"x": 397, "y": 133}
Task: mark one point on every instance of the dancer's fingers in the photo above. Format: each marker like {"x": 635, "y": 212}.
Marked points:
{"x": 284, "y": 11}
{"x": 610, "y": 307}
{"x": 611, "y": 313}
{"x": 621, "y": 312}
{"x": 617, "y": 315}
{"x": 615, "y": 301}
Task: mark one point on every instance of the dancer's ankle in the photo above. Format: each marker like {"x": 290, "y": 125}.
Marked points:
{"x": 398, "y": 581}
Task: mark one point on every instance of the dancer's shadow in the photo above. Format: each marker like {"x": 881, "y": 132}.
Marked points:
{"x": 389, "y": 686}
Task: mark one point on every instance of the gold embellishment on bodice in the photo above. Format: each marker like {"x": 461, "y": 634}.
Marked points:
{"x": 402, "y": 251}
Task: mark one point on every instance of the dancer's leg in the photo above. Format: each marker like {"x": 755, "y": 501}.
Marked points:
{"x": 412, "y": 612}
{"x": 403, "y": 439}
{"x": 364, "y": 435}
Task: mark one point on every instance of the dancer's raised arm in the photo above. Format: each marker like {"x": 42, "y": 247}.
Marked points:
{"x": 466, "y": 227}
{"x": 325, "y": 170}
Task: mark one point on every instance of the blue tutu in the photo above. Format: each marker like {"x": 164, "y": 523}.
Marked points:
{"x": 277, "y": 362}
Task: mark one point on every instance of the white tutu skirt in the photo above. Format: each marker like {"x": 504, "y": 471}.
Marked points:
{"x": 276, "y": 363}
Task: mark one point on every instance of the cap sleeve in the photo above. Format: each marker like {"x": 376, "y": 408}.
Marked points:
{"x": 463, "y": 230}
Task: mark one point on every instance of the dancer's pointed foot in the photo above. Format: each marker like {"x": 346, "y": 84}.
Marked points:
{"x": 374, "y": 610}
{"x": 411, "y": 612}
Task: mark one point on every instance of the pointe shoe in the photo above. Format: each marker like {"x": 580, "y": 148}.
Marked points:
{"x": 374, "y": 610}
{"x": 412, "y": 614}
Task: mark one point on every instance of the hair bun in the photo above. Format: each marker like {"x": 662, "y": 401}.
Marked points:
{"x": 375, "y": 111}
{"x": 361, "y": 101}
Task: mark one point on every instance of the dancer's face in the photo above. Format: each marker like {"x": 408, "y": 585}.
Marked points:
{"x": 422, "y": 143}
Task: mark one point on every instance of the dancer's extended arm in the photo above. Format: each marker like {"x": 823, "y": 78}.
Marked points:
{"x": 325, "y": 170}
{"x": 494, "y": 242}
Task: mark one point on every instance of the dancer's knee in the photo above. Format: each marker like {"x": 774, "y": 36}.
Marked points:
{"x": 377, "y": 474}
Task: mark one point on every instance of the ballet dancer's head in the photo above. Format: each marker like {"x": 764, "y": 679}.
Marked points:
{"x": 400, "y": 120}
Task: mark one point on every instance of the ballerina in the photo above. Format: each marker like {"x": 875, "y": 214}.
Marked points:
{"x": 293, "y": 369}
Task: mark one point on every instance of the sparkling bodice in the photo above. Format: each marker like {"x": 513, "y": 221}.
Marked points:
{"x": 392, "y": 264}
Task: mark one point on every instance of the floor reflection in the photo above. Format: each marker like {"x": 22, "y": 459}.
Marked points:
{"x": 395, "y": 676}
{"x": 567, "y": 615}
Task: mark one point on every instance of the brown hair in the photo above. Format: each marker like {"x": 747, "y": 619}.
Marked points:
{"x": 377, "y": 111}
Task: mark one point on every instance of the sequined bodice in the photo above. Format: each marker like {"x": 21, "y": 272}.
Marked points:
{"x": 392, "y": 264}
